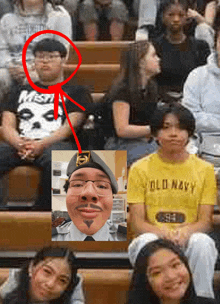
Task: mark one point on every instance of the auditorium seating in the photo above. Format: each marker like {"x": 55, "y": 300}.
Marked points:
{"x": 102, "y": 286}
{"x": 100, "y": 52}
{"x": 97, "y": 77}
{"x": 32, "y": 230}
{"x": 105, "y": 286}
{"x": 100, "y": 64}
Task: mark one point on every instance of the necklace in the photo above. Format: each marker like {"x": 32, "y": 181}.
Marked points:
{"x": 176, "y": 41}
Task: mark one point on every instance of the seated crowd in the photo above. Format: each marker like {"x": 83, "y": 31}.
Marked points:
{"x": 161, "y": 275}
{"x": 171, "y": 193}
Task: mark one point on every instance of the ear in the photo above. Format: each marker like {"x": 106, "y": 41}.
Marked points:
{"x": 142, "y": 63}
{"x": 64, "y": 60}
{"x": 30, "y": 269}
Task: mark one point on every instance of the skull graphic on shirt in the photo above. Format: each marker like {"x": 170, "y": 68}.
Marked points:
{"x": 37, "y": 119}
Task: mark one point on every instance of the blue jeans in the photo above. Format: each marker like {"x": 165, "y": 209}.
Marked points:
{"x": 136, "y": 147}
{"x": 9, "y": 159}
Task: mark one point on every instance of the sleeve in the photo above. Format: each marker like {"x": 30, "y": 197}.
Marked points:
{"x": 209, "y": 193}
{"x": 82, "y": 96}
{"x": 192, "y": 99}
{"x": 78, "y": 296}
{"x": 202, "y": 52}
{"x": 121, "y": 94}
{"x": 147, "y": 12}
{"x": 5, "y": 57}
{"x": 136, "y": 186}
{"x": 60, "y": 21}
{"x": 10, "y": 284}
{"x": 10, "y": 103}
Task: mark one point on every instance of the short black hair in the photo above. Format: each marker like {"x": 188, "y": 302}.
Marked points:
{"x": 185, "y": 117}
{"x": 50, "y": 45}
{"x": 66, "y": 185}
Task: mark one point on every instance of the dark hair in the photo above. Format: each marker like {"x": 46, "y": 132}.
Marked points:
{"x": 216, "y": 24}
{"x": 66, "y": 185}
{"x": 20, "y": 295}
{"x": 140, "y": 291}
{"x": 166, "y": 4}
{"x": 185, "y": 117}
{"x": 50, "y": 45}
{"x": 129, "y": 79}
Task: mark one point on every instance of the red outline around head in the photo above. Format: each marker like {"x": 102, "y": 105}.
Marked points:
{"x": 54, "y": 89}
{"x": 50, "y": 89}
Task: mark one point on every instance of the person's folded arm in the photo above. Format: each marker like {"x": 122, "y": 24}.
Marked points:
{"x": 204, "y": 221}
{"x": 64, "y": 131}
{"x": 138, "y": 222}
{"x": 205, "y": 209}
{"x": 121, "y": 115}
{"x": 203, "y": 224}
{"x": 210, "y": 10}
{"x": 9, "y": 130}
{"x": 37, "y": 146}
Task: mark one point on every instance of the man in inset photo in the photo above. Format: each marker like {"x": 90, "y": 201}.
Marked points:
{"x": 89, "y": 201}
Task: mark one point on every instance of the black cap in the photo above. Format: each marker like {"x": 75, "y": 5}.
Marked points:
{"x": 90, "y": 159}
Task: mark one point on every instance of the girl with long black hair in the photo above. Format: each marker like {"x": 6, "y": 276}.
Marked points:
{"x": 161, "y": 275}
{"x": 50, "y": 277}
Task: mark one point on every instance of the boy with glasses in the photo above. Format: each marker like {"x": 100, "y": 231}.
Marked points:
{"x": 29, "y": 127}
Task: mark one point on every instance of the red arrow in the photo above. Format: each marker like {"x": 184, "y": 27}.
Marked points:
{"x": 58, "y": 91}
{"x": 55, "y": 89}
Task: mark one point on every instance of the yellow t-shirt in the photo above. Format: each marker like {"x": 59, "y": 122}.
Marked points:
{"x": 170, "y": 191}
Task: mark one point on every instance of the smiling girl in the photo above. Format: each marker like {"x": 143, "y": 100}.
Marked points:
{"x": 161, "y": 275}
{"x": 51, "y": 277}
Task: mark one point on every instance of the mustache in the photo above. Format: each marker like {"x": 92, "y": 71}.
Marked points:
{"x": 91, "y": 205}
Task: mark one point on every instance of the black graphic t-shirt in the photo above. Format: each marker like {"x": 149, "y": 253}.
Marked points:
{"x": 35, "y": 111}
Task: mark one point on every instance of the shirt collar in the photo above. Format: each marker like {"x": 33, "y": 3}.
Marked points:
{"x": 101, "y": 235}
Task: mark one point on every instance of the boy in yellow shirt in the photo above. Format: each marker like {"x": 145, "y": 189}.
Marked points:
{"x": 171, "y": 194}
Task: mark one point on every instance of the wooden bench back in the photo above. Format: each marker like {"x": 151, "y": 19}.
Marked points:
{"x": 30, "y": 231}
{"x": 105, "y": 52}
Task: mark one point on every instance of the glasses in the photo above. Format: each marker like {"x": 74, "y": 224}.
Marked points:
{"x": 48, "y": 57}
{"x": 102, "y": 188}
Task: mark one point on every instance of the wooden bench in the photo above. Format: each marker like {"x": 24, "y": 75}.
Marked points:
{"x": 22, "y": 185}
{"x": 100, "y": 52}
{"x": 100, "y": 64}
{"x": 105, "y": 286}
{"x": 98, "y": 77}
{"x": 32, "y": 230}
{"x": 24, "y": 230}
{"x": 102, "y": 286}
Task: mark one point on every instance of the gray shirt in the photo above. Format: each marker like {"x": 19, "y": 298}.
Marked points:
{"x": 69, "y": 232}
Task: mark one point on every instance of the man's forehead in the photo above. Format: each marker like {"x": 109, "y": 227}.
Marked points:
{"x": 87, "y": 172}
